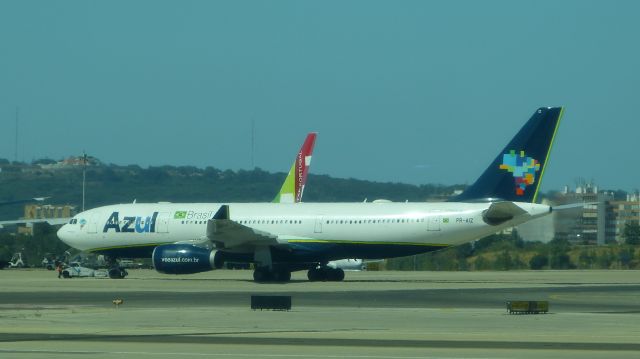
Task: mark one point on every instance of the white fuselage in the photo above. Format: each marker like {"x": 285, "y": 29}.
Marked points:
{"x": 428, "y": 224}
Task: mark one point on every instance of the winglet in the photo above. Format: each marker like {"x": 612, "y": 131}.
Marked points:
{"x": 223, "y": 212}
{"x": 293, "y": 186}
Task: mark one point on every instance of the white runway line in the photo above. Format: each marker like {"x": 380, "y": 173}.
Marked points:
{"x": 233, "y": 355}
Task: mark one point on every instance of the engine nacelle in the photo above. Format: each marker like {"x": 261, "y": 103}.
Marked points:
{"x": 185, "y": 259}
{"x": 348, "y": 264}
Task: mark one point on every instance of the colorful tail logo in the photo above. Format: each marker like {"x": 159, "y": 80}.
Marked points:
{"x": 523, "y": 168}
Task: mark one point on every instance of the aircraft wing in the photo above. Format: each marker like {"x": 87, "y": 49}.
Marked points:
{"x": 50, "y": 221}
{"x": 225, "y": 233}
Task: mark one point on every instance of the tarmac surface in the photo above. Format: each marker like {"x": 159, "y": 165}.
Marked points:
{"x": 594, "y": 314}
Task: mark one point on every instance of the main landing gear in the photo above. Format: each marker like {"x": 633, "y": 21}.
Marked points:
{"x": 323, "y": 274}
{"x": 271, "y": 275}
{"x": 282, "y": 275}
{"x": 115, "y": 270}
{"x": 118, "y": 273}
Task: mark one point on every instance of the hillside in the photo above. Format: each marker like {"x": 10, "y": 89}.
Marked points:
{"x": 108, "y": 184}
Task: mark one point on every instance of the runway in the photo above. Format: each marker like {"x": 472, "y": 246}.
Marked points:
{"x": 370, "y": 315}
{"x": 585, "y": 299}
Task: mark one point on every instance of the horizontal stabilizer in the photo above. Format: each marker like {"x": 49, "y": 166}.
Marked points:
{"x": 500, "y": 212}
{"x": 573, "y": 206}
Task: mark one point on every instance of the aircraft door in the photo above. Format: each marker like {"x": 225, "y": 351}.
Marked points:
{"x": 92, "y": 225}
{"x": 318, "y": 227}
{"x": 433, "y": 223}
{"x": 162, "y": 222}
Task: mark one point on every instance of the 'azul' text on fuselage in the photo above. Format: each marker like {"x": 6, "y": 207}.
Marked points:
{"x": 131, "y": 224}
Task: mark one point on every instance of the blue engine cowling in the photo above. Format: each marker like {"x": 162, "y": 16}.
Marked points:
{"x": 185, "y": 259}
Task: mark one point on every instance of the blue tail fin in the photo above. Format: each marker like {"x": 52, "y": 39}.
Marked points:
{"x": 516, "y": 173}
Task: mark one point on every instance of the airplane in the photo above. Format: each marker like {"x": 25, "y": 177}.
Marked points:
{"x": 291, "y": 192}
{"x": 28, "y": 200}
{"x": 279, "y": 238}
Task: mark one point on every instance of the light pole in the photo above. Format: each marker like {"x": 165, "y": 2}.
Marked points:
{"x": 84, "y": 175}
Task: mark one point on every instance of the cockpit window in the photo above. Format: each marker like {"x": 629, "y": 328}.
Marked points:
{"x": 73, "y": 221}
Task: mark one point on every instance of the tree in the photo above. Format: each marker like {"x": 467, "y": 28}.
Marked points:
{"x": 605, "y": 259}
{"x": 482, "y": 263}
{"x": 631, "y": 233}
{"x": 561, "y": 261}
{"x": 585, "y": 259}
{"x": 625, "y": 256}
{"x": 504, "y": 261}
{"x": 539, "y": 261}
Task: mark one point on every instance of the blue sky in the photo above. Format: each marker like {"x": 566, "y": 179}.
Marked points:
{"x": 407, "y": 91}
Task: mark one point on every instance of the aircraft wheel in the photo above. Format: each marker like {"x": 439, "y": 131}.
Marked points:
{"x": 282, "y": 275}
{"x": 117, "y": 273}
{"x": 317, "y": 274}
{"x": 114, "y": 273}
{"x": 336, "y": 275}
{"x": 261, "y": 275}
{"x": 312, "y": 275}
{"x": 65, "y": 274}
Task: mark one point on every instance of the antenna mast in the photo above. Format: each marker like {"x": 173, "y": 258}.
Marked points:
{"x": 15, "y": 154}
{"x": 84, "y": 175}
{"x": 253, "y": 130}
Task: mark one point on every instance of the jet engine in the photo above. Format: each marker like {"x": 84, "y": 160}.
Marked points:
{"x": 348, "y": 264}
{"x": 185, "y": 259}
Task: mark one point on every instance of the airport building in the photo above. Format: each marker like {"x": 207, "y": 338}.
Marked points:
{"x": 619, "y": 213}
{"x": 587, "y": 224}
{"x": 600, "y": 221}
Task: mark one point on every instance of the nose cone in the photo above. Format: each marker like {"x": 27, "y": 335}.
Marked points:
{"x": 64, "y": 234}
